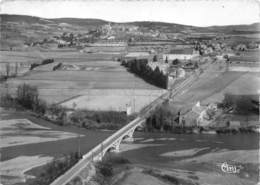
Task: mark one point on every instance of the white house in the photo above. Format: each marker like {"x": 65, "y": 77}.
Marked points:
{"x": 181, "y": 54}
{"x": 199, "y": 115}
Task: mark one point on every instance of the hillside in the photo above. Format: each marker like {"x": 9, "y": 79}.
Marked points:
{"x": 19, "y": 31}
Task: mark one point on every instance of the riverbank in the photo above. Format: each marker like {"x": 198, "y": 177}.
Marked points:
{"x": 202, "y": 130}
{"x": 189, "y": 159}
{"x": 191, "y": 171}
{"x": 116, "y": 170}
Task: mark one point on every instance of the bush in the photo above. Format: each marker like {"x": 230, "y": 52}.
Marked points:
{"x": 34, "y": 65}
{"x": 99, "y": 119}
{"x": 105, "y": 168}
{"x": 57, "y": 66}
{"x": 47, "y": 61}
{"x": 44, "y": 62}
{"x": 56, "y": 168}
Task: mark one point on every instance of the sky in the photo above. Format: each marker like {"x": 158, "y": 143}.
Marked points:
{"x": 188, "y": 12}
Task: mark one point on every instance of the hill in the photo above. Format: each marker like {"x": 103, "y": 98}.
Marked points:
{"x": 17, "y": 30}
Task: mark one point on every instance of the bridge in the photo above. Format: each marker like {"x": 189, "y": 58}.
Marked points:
{"x": 113, "y": 142}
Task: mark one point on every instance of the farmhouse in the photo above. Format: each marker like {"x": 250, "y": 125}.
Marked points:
{"x": 180, "y": 54}
{"x": 178, "y": 73}
{"x": 200, "y": 115}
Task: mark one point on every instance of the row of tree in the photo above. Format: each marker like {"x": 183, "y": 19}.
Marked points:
{"x": 27, "y": 97}
{"x": 8, "y": 72}
{"x": 44, "y": 62}
{"x": 165, "y": 119}
{"x": 99, "y": 119}
{"x": 140, "y": 68}
{"x": 162, "y": 119}
{"x": 56, "y": 168}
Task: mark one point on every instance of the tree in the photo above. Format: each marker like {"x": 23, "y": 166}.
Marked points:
{"x": 175, "y": 62}
{"x": 16, "y": 68}
{"x": 27, "y": 96}
{"x": 155, "y": 59}
{"x": 166, "y": 59}
{"x": 7, "y": 69}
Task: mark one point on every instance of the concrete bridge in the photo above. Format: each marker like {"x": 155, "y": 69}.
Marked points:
{"x": 113, "y": 142}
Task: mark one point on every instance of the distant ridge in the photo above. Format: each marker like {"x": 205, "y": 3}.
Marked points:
{"x": 97, "y": 22}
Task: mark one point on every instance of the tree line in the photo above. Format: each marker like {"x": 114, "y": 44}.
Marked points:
{"x": 27, "y": 97}
{"x": 55, "y": 168}
{"x": 44, "y": 62}
{"x": 141, "y": 69}
{"x": 164, "y": 119}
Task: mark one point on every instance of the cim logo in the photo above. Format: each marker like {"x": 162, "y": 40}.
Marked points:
{"x": 229, "y": 168}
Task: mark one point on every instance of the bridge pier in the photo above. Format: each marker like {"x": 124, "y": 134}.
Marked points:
{"x": 116, "y": 147}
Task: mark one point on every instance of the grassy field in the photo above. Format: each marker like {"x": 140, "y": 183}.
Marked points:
{"x": 35, "y": 54}
{"x": 117, "y": 99}
{"x": 213, "y": 87}
{"x": 251, "y": 56}
{"x": 101, "y": 72}
{"x": 59, "y": 85}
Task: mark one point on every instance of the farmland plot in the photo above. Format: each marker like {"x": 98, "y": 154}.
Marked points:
{"x": 98, "y": 72}
{"x": 115, "y": 99}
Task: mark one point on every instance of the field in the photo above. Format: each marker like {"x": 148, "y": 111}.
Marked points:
{"x": 250, "y": 56}
{"x": 213, "y": 86}
{"x": 114, "y": 99}
{"x": 101, "y": 72}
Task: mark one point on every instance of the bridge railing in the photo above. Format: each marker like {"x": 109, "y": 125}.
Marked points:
{"x": 70, "y": 174}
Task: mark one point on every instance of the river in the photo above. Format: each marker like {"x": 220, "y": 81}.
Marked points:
{"x": 202, "y": 154}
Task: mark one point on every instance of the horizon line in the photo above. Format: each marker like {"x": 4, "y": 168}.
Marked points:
{"x": 128, "y": 22}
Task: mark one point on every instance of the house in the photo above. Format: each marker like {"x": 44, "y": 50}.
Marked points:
{"x": 177, "y": 73}
{"x": 180, "y": 54}
{"x": 200, "y": 115}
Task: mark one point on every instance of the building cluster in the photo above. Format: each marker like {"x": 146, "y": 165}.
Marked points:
{"x": 201, "y": 115}
{"x": 180, "y": 54}
{"x": 176, "y": 64}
